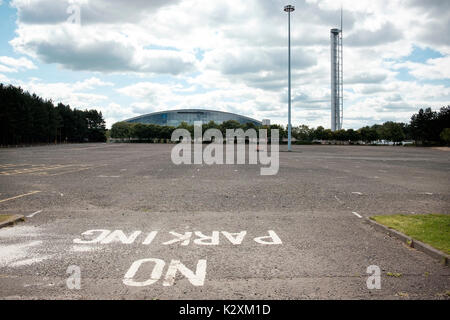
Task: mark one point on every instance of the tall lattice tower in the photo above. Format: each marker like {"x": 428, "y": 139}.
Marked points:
{"x": 337, "y": 79}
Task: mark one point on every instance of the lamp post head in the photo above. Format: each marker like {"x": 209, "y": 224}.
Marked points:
{"x": 289, "y": 8}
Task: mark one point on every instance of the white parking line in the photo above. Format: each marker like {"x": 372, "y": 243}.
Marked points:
{"x": 358, "y": 193}
{"x": 33, "y": 214}
{"x": 356, "y": 214}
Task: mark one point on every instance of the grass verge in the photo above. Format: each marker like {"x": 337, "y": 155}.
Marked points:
{"x": 433, "y": 229}
{"x": 4, "y": 217}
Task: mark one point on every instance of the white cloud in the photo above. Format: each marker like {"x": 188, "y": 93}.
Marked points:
{"x": 146, "y": 90}
{"x": 433, "y": 69}
{"x": 6, "y": 69}
{"x": 92, "y": 12}
{"x": 142, "y": 107}
{"x": 91, "y": 83}
{"x": 368, "y": 37}
{"x": 114, "y": 112}
{"x": 231, "y": 55}
{"x": 67, "y": 93}
{"x": 14, "y": 65}
{"x": 3, "y": 79}
{"x": 87, "y": 49}
{"x": 366, "y": 77}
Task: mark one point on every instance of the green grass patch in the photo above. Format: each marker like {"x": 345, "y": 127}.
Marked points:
{"x": 394, "y": 274}
{"x": 4, "y": 217}
{"x": 433, "y": 229}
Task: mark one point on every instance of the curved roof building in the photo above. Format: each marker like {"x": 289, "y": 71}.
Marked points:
{"x": 175, "y": 117}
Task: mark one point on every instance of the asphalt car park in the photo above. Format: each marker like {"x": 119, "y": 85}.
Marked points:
{"x": 122, "y": 221}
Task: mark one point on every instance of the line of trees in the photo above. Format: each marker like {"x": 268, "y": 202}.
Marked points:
{"x": 388, "y": 131}
{"x": 153, "y": 132}
{"x": 427, "y": 127}
{"x": 26, "y": 119}
{"x": 431, "y": 127}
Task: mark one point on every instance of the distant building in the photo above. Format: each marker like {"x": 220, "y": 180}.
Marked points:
{"x": 266, "y": 122}
{"x": 176, "y": 117}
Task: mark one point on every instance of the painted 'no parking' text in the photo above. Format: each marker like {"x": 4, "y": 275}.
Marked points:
{"x": 197, "y": 278}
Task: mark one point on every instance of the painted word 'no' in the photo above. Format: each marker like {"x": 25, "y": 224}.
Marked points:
{"x": 196, "y": 278}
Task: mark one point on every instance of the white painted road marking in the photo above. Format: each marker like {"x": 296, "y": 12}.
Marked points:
{"x": 358, "y": 193}
{"x": 33, "y": 214}
{"x": 103, "y": 236}
{"x": 356, "y": 214}
{"x": 196, "y": 278}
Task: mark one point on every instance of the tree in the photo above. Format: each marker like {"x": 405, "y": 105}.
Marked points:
{"x": 443, "y": 121}
{"x": 249, "y": 125}
{"x": 229, "y": 124}
{"x": 445, "y": 136}
{"x": 210, "y": 125}
{"x": 302, "y": 133}
{"x": 139, "y": 131}
{"x": 368, "y": 134}
{"x": 27, "y": 118}
{"x": 95, "y": 125}
{"x": 340, "y": 135}
{"x": 393, "y": 131}
{"x": 423, "y": 127}
{"x": 319, "y": 133}
{"x": 282, "y": 132}
{"x": 166, "y": 132}
{"x": 328, "y": 134}
{"x": 182, "y": 125}
{"x": 121, "y": 130}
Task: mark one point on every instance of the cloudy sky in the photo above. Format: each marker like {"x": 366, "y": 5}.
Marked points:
{"x": 132, "y": 57}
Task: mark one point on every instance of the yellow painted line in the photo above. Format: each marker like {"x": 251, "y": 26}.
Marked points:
{"x": 42, "y": 169}
{"x": 30, "y": 170}
{"x": 17, "y": 165}
{"x": 39, "y": 173}
{"x": 20, "y": 196}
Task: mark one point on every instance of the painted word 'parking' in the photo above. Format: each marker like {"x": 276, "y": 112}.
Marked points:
{"x": 104, "y": 236}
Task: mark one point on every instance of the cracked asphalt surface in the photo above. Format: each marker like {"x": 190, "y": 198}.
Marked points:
{"x": 309, "y": 204}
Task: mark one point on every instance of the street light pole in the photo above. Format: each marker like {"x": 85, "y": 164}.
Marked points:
{"x": 289, "y": 9}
